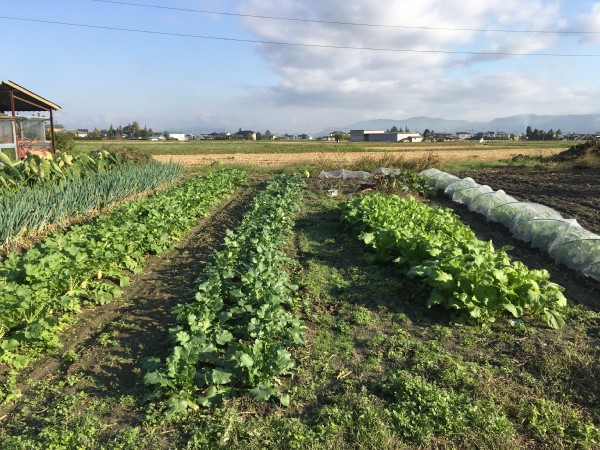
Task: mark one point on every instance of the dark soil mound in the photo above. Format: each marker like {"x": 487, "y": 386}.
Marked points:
{"x": 579, "y": 151}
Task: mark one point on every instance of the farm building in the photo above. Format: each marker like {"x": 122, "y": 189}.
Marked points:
{"x": 19, "y": 134}
{"x": 177, "y": 136}
{"x": 383, "y": 136}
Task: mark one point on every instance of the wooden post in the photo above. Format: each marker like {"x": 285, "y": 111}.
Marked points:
{"x": 52, "y": 132}
{"x": 12, "y": 103}
{"x": 12, "y": 108}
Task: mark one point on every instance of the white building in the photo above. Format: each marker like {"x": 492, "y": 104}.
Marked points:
{"x": 383, "y": 136}
{"x": 177, "y": 136}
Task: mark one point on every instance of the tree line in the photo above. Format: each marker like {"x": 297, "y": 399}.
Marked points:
{"x": 133, "y": 130}
{"x": 541, "y": 135}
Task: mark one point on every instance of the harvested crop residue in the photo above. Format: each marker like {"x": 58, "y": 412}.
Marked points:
{"x": 341, "y": 158}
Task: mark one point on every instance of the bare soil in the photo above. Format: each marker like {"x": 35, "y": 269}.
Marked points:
{"x": 575, "y": 193}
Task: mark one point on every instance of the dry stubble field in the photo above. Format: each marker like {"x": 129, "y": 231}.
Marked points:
{"x": 327, "y": 158}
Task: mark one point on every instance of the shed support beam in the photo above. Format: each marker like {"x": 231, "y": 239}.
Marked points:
{"x": 52, "y": 132}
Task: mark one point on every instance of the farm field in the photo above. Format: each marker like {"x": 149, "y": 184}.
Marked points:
{"x": 294, "y": 147}
{"x": 339, "y": 159}
{"x": 374, "y": 368}
{"x": 280, "y": 155}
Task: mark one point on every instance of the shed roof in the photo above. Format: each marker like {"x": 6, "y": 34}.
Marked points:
{"x": 25, "y": 100}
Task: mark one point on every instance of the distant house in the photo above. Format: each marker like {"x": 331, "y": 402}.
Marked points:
{"x": 77, "y": 132}
{"x": 444, "y": 136}
{"x": 246, "y": 135}
{"x": 383, "y": 136}
{"x": 462, "y": 135}
{"x": 158, "y": 137}
{"x": 57, "y": 128}
{"x": 176, "y": 136}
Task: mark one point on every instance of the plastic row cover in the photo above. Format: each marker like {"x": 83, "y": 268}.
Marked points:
{"x": 564, "y": 239}
{"x": 360, "y": 174}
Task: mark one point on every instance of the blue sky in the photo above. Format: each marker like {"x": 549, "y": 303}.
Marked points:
{"x": 101, "y": 77}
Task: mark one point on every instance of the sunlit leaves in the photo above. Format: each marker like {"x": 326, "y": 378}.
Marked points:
{"x": 88, "y": 264}
{"x": 239, "y": 321}
{"x": 467, "y": 276}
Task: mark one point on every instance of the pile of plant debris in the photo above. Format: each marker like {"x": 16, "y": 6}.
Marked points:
{"x": 580, "y": 151}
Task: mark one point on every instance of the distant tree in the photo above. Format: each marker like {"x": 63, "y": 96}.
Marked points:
{"x": 111, "y": 133}
{"x": 529, "y": 132}
{"x": 268, "y": 134}
{"x": 406, "y": 129}
{"x": 96, "y": 133}
{"x": 145, "y": 133}
{"x": 65, "y": 142}
{"x": 394, "y": 129}
{"x": 339, "y": 136}
{"x": 428, "y": 134}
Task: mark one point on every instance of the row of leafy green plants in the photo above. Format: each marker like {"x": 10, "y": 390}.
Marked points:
{"x": 44, "y": 288}
{"x": 57, "y": 168}
{"x": 232, "y": 339}
{"x": 32, "y": 209}
{"x": 467, "y": 276}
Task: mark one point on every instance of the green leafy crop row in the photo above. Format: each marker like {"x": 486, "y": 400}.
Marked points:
{"x": 232, "y": 338}
{"x": 466, "y": 275}
{"x": 31, "y": 208}
{"x": 46, "y": 286}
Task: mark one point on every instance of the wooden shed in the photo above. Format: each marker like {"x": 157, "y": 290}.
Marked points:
{"x": 18, "y": 133}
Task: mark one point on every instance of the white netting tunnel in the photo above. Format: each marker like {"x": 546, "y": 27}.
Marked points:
{"x": 543, "y": 227}
{"x": 357, "y": 174}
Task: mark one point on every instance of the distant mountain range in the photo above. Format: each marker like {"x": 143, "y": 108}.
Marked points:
{"x": 572, "y": 123}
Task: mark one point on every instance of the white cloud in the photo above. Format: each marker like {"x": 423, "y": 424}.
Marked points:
{"x": 590, "y": 22}
{"x": 374, "y": 83}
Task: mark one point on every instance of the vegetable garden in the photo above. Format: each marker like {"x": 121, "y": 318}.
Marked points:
{"x": 283, "y": 317}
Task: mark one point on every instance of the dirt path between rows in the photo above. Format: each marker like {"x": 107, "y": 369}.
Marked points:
{"x": 328, "y": 158}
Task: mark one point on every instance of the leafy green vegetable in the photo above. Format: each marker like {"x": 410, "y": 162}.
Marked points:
{"x": 232, "y": 338}
{"x": 43, "y": 288}
{"x": 466, "y": 275}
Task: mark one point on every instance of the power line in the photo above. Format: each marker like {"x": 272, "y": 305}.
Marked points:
{"x": 334, "y": 22}
{"x": 295, "y": 44}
